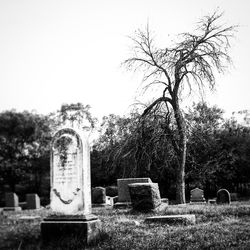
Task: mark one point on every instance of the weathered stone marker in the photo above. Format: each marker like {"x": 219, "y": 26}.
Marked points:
{"x": 123, "y": 190}
{"x": 11, "y": 202}
{"x": 223, "y": 197}
{"x": 144, "y": 196}
{"x": 197, "y": 196}
{"x": 32, "y": 201}
{"x": 70, "y": 195}
{"x": 99, "y": 195}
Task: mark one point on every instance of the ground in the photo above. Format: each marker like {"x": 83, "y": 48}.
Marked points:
{"x": 217, "y": 227}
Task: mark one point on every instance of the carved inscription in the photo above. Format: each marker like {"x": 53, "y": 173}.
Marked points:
{"x": 66, "y": 167}
{"x": 67, "y": 173}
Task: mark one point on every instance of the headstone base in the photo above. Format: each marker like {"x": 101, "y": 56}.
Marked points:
{"x": 12, "y": 209}
{"x": 58, "y": 227}
{"x": 197, "y": 202}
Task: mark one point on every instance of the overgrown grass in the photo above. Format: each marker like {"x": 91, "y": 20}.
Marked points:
{"x": 217, "y": 227}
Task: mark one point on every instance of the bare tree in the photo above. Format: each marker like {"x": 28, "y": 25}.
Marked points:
{"x": 189, "y": 63}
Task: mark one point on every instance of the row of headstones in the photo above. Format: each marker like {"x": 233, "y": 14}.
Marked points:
{"x": 197, "y": 196}
{"x": 12, "y": 202}
{"x": 141, "y": 193}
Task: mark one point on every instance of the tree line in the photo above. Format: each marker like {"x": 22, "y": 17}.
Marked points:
{"x": 217, "y": 150}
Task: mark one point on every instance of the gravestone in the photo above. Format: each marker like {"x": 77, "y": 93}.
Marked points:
{"x": 223, "y": 197}
{"x": 98, "y": 195}
{"x": 144, "y": 196}
{"x": 197, "y": 196}
{"x": 32, "y": 201}
{"x": 11, "y": 202}
{"x": 70, "y": 195}
{"x": 123, "y": 190}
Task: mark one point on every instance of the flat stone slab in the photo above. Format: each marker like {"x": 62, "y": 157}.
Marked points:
{"x": 211, "y": 201}
{"x": 197, "y": 203}
{"x": 101, "y": 205}
{"x": 30, "y": 218}
{"x": 12, "y": 209}
{"x": 122, "y": 205}
{"x": 173, "y": 219}
{"x": 76, "y": 217}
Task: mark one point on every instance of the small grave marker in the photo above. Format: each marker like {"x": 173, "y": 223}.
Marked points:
{"x": 11, "y": 202}
{"x": 223, "y": 197}
{"x": 32, "y": 201}
{"x": 197, "y": 196}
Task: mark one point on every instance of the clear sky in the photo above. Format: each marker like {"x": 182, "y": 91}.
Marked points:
{"x": 56, "y": 51}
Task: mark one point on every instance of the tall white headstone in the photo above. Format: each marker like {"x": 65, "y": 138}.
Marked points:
{"x": 70, "y": 192}
{"x": 70, "y": 172}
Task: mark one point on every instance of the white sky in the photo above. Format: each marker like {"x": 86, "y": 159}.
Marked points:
{"x": 55, "y": 51}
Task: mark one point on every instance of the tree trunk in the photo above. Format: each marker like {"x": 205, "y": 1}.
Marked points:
{"x": 181, "y": 154}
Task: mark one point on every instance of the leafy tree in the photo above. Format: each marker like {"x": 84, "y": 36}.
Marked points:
{"x": 107, "y": 163}
{"x": 189, "y": 62}
{"x": 205, "y": 125}
{"x": 24, "y": 141}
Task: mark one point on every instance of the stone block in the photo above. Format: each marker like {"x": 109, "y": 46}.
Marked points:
{"x": 33, "y": 201}
{"x": 185, "y": 219}
{"x": 211, "y": 201}
{"x": 15, "y": 209}
{"x": 144, "y": 196}
{"x": 123, "y": 191}
{"x": 11, "y": 200}
{"x": 88, "y": 230}
{"x": 122, "y": 205}
{"x": 98, "y": 195}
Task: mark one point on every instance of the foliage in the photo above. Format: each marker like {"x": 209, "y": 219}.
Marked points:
{"x": 217, "y": 156}
{"x": 107, "y": 161}
{"x": 24, "y": 145}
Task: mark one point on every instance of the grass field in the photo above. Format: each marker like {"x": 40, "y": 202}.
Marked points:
{"x": 217, "y": 227}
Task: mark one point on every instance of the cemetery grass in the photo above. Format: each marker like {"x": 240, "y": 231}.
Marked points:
{"x": 217, "y": 227}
